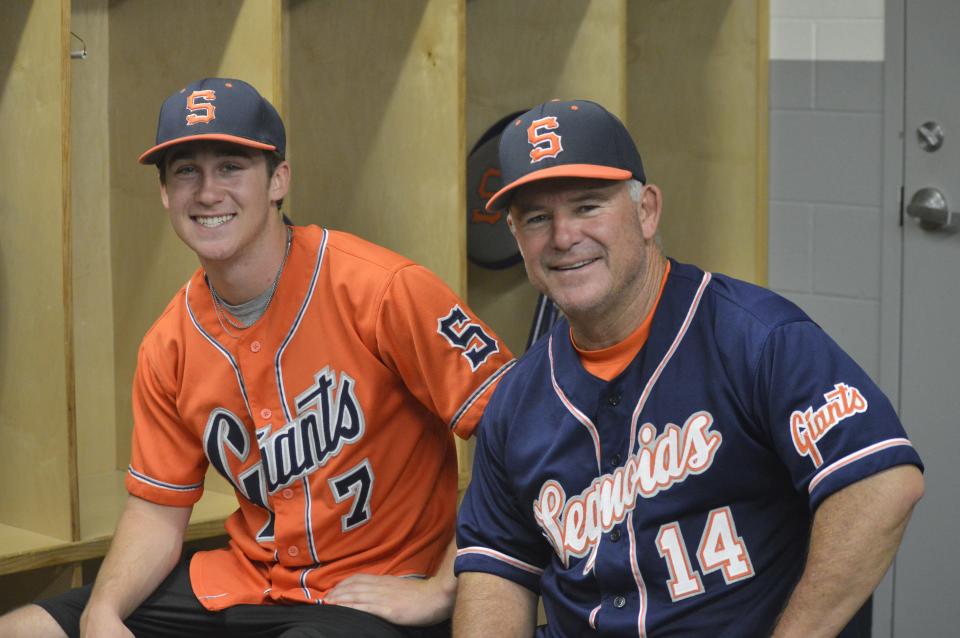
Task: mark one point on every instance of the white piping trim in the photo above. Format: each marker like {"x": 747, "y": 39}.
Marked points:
{"x": 593, "y": 617}
{"x": 479, "y": 392}
{"x": 278, "y": 366}
{"x": 572, "y": 409}
{"x": 638, "y": 579}
{"x": 694, "y": 305}
{"x": 509, "y": 560}
{"x": 647, "y": 390}
{"x": 853, "y": 457}
{"x": 303, "y": 582}
{"x": 220, "y": 348}
{"x": 143, "y": 478}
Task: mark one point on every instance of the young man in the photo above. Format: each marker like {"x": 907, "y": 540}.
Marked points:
{"x": 685, "y": 454}
{"x": 321, "y": 376}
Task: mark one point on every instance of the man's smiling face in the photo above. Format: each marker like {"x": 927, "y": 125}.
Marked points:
{"x": 218, "y": 196}
{"x": 583, "y": 244}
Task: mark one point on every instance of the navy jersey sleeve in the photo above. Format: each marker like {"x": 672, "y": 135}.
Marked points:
{"x": 828, "y": 421}
{"x": 495, "y": 533}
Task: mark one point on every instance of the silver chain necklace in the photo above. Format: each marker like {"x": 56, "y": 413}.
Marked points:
{"x": 218, "y": 303}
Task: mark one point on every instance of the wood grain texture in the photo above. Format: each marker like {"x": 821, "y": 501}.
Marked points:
{"x": 762, "y": 97}
{"x": 697, "y": 97}
{"x": 92, "y": 281}
{"x": 34, "y": 408}
{"x": 103, "y": 497}
{"x": 376, "y": 144}
{"x": 63, "y": 553}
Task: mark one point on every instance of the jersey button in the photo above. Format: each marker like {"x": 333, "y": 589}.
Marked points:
{"x": 614, "y": 399}
{"x": 265, "y": 413}
{"x": 255, "y": 347}
{"x": 615, "y": 535}
{"x": 287, "y": 494}
{"x": 619, "y": 602}
{"x": 616, "y": 459}
{"x": 293, "y": 551}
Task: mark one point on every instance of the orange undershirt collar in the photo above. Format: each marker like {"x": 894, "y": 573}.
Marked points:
{"x": 607, "y": 363}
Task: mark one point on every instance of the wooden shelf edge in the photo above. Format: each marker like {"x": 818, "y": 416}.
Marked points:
{"x": 73, "y": 552}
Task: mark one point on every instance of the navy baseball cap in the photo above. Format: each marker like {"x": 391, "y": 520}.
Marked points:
{"x": 576, "y": 138}
{"x": 217, "y": 109}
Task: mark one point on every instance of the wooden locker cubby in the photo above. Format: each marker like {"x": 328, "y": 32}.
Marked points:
{"x": 377, "y": 130}
{"x": 697, "y": 106}
{"x": 38, "y": 471}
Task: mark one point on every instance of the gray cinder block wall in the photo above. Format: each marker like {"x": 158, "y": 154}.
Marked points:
{"x": 826, "y": 165}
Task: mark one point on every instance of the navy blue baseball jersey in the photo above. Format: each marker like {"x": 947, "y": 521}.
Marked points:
{"x": 675, "y": 499}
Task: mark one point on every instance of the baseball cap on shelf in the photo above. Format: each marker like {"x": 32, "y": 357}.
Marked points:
{"x": 575, "y": 138}
{"x": 217, "y": 109}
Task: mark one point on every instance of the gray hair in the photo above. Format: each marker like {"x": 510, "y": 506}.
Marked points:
{"x": 635, "y": 187}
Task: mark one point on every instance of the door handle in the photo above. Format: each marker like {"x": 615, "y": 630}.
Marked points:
{"x": 929, "y": 207}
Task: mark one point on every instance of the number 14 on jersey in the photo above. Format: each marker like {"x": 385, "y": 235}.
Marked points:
{"x": 720, "y": 548}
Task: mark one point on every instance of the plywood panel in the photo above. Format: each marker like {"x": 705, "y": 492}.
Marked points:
{"x": 34, "y": 415}
{"x": 104, "y": 496}
{"x": 185, "y": 41}
{"x": 697, "y": 108}
{"x": 518, "y": 55}
{"x": 92, "y": 275}
{"x": 376, "y": 130}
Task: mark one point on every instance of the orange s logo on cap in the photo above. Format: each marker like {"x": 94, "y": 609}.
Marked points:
{"x": 202, "y": 111}
{"x": 545, "y": 144}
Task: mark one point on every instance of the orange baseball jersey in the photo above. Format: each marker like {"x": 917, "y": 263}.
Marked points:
{"x": 331, "y": 416}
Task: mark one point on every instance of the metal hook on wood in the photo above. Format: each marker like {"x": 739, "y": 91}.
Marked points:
{"x": 82, "y": 53}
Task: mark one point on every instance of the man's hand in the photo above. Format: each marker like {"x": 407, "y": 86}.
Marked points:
{"x": 413, "y": 602}
{"x": 402, "y": 601}
{"x": 99, "y": 621}
{"x": 145, "y": 547}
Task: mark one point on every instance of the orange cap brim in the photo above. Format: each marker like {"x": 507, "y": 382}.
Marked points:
{"x": 147, "y": 156}
{"x": 589, "y": 171}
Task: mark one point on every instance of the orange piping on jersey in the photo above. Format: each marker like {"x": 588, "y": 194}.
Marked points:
{"x": 607, "y": 363}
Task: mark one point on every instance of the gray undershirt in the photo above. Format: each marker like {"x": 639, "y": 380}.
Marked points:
{"x": 249, "y": 311}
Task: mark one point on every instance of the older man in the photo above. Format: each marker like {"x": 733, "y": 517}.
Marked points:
{"x": 685, "y": 454}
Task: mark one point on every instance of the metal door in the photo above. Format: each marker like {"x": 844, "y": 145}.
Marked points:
{"x": 925, "y": 595}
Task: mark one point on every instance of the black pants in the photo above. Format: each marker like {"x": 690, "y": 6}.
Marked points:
{"x": 172, "y": 611}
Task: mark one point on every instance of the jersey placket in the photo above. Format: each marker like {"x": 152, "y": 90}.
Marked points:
{"x": 617, "y": 609}
{"x": 286, "y": 500}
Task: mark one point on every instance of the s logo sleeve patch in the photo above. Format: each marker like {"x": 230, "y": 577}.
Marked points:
{"x": 809, "y": 426}
{"x": 467, "y": 335}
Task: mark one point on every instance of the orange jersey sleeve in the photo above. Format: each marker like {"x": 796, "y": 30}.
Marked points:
{"x": 167, "y": 461}
{"x": 448, "y": 358}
